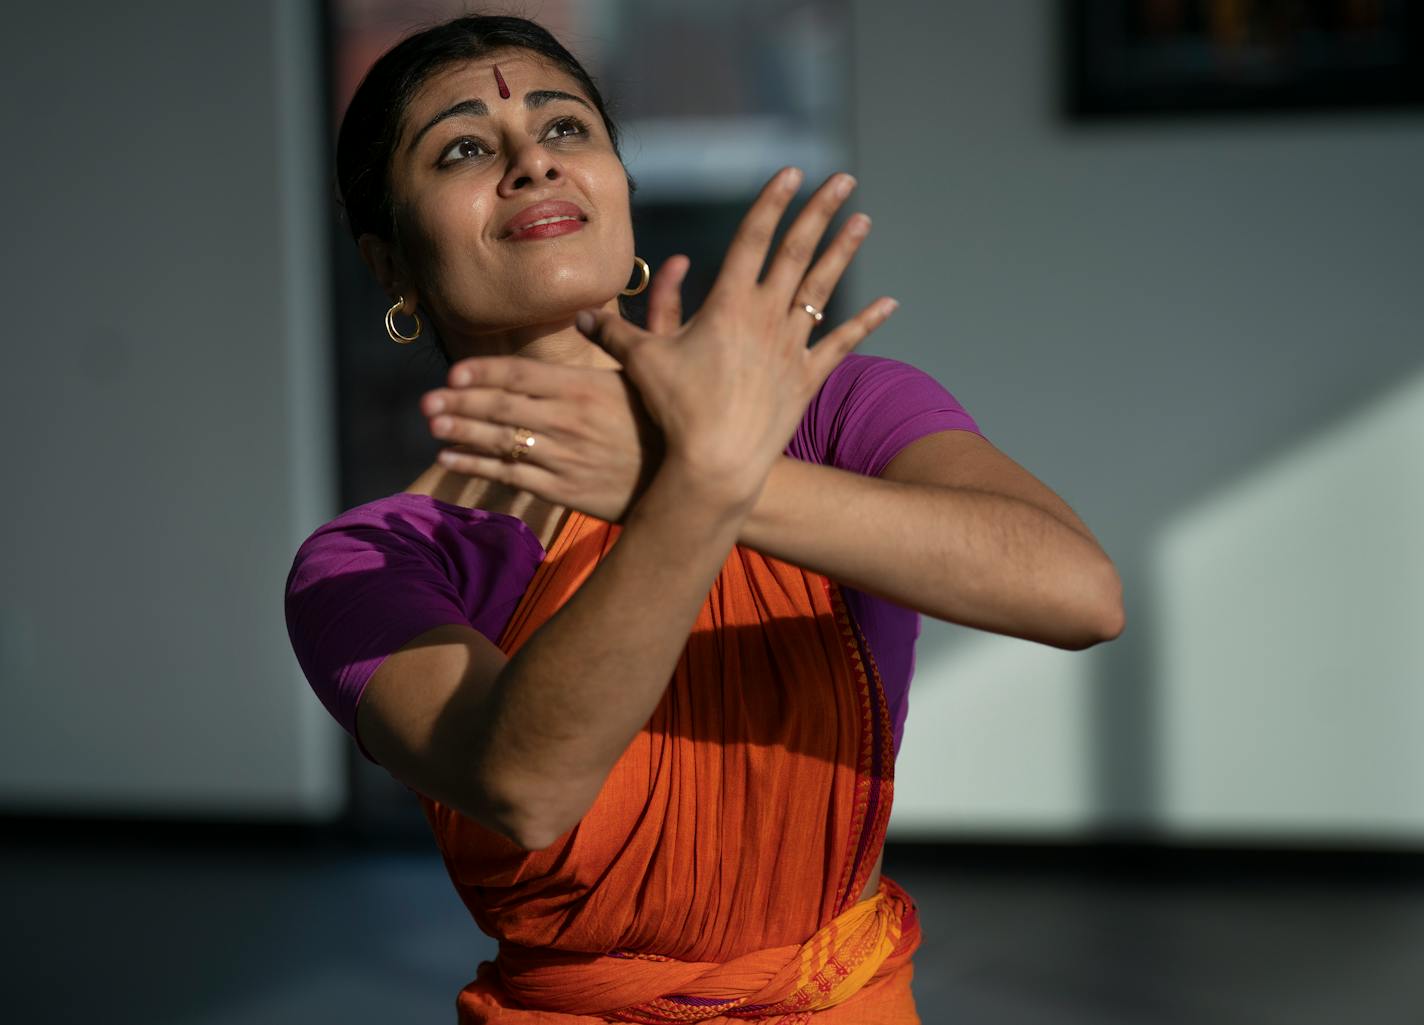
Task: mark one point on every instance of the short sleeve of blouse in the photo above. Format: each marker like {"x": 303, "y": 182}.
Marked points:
{"x": 871, "y": 407}
{"x": 867, "y": 410}
{"x": 360, "y": 588}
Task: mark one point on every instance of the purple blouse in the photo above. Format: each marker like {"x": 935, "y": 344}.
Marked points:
{"x": 380, "y": 574}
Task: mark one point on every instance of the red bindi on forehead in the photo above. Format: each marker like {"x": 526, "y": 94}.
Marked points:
{"x": 499, "y": 80}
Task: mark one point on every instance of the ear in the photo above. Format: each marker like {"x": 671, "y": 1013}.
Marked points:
{"x": 385, "y": 264}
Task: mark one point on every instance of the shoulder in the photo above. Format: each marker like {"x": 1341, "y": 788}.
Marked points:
{"x": 380, "y": 574}
{"x": 409, "y": 530}
{"x": 858, "y": 368}
{"x": 855, "y": 364}
{"x": 410, "y": 557}
{"x": 867, "y": 377}
{"x": 869, "y": 407}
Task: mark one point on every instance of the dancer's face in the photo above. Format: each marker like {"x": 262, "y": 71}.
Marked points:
{"x": 468, "y": 164}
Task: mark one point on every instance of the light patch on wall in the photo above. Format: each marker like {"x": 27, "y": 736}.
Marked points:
{"x": 1291, "y": 609}
{"x": 998, "y": 739}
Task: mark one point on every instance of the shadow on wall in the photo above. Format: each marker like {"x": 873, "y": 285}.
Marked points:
{"x": 1283, "y": 700}
{"x": 1289, "y": 606}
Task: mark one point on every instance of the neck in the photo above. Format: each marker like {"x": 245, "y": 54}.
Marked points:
{"x": 557, "y": 342}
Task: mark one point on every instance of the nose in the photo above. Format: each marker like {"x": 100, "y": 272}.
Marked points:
{"x": 529, "y": 164}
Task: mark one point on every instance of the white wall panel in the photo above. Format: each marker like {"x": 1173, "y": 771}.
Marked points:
{"x": 1292, "y": 623}
{"x": 1142, "y": 313}
{"x": 166, "y": 441}
{"x": 998, "y": 739}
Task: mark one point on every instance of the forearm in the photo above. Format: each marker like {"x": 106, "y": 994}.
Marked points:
{"x": 569, "y": 702}
{"x": 981, "y": 560}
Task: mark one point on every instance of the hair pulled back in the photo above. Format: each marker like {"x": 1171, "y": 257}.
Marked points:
{"x": 370, "y": 128}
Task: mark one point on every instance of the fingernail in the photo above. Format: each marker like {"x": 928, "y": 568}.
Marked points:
{"x": 793, "y": 178}
{"x": 846, "y": 183}
{"x": 859, "y": 226}
{"x": 435, "y": 404}
{"x": 585, "y": 321}
{"x": 890, "y": 306}
{"x": 461, "y": 376}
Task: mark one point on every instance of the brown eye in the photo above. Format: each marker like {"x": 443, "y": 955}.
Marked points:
{"x": 566, "y": 126}
{"x": 461, "y": 149}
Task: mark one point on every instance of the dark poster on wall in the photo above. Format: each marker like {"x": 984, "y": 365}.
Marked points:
{"x": 1167, "y": 57}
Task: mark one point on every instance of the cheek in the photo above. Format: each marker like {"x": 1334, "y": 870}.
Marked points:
{"x": 421, "y": 249}
{"x": 439, "y": 244}
{"x": 618, "y": 235}
{"x": 621, "y": 245}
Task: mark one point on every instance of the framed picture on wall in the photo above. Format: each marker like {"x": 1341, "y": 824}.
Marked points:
{"x": 1168, "y": 57}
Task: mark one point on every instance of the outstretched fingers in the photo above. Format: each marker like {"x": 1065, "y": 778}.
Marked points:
{"x": 665, "y": 296}
{"x": 834, "y": 347}
{"x": 609, "y": 330}
{"x": 748, "y": 250}
{"x": 820, "y": 282}
{"x": 799, "y": 244}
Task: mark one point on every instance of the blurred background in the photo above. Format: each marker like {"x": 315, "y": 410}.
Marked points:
{"x": 1166, "y": 253}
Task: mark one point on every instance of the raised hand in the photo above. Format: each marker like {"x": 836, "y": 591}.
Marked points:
{"x": 728, "y": 388}
{"x": 665, "y": 296}
{"x": 598, "y": 444}
{"x": 595, "y": 450}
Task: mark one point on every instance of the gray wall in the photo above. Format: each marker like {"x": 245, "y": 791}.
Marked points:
{"x": 1138, "y": 314}
{"x": 166, "y": 429}
{"x": 1141, "y": 315}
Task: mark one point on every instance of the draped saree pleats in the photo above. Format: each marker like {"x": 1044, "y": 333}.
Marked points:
{"x": 717, "y": 876}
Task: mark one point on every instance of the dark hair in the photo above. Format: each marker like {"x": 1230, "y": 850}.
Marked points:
{"x": 371, "y": 125}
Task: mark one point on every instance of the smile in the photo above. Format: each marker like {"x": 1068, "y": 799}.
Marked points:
{"x": 547, "y": 227}
{"x": 543, "y": 220}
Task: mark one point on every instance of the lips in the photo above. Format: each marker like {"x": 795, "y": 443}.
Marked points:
{"x": 540, "y": 211}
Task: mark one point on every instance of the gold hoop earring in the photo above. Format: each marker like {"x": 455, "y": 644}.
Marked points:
{"x": 642, "y": 265}
{"x": 396, "y": 336}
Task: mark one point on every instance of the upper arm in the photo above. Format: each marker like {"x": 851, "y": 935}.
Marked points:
{"x": 965, "y": 460}
{"x": 870, "y": 408}
{"x": 418, "y": 712}
{"x": 385, "y": 638}
{"x": 897, "y": 422}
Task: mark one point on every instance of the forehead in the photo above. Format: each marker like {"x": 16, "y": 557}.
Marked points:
{"x": 474, "y": 80}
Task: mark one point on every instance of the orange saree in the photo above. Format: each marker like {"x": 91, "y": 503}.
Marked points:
{"x": 716, "y": 877}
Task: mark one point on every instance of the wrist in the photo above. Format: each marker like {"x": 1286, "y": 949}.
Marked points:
{"x": 726, "y": 491}
{"x": 767, "y": 513}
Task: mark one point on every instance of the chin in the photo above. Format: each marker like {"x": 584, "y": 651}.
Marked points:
{"x": 547, "y": 307}
{"x": 542, "y": 295}
{"x": 567, "y": 291}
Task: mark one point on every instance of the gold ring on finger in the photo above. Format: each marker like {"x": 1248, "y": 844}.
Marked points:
{"x": 523, "y": 441}
{"x": 816, "y": 314}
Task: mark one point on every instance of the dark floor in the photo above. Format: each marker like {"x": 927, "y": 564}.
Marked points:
{"x": 284, "y": 928}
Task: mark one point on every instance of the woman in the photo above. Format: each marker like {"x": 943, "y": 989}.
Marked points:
{"x": 659, "y": 769}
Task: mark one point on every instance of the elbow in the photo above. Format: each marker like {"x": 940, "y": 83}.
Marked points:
{"x": 1106, "y": 627}
{"x": 1117, "y": 621}
{"x": 1100, "y": 615}
{"x": 524, "y": 827}
{"x": 1109, "y": 617}
{"x": 1112, "y": 623}
{"x": 528, "y": 818}
{"x": 532, "y": 836}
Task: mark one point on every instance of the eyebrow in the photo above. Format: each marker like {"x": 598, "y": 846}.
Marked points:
{"x": 477, "y": 108}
